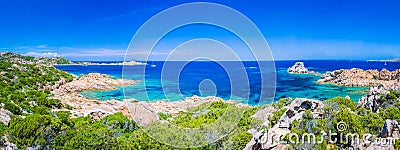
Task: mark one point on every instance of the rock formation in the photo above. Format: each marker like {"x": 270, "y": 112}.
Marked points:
{"x": 358, "y": 77}
{"x": 5, "y": 116}
{"x": 390, "y": 129}
{"x": 298, "y": 68}
{"x": 270, "y": 139}
{"x": 93, "y": 81}
{"x": 82, "y": 106}
{"x": 296, "y": 110}
{"x": 264, "y": 113}
{"x": 373, "y": 100}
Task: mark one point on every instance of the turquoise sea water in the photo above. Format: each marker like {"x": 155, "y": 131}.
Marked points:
{"x": 191, "y": 78}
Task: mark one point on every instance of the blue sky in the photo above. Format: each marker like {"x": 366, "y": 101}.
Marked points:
{"x": 102, "y": 30}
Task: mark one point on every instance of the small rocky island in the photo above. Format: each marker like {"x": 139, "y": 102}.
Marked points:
{"x": 299, "y": 68}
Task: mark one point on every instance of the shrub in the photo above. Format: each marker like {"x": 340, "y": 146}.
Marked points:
{"x": 343, "y": 103}
{"x": 12, "y": 108}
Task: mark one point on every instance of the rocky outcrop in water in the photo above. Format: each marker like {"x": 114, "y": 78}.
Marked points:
{"x": 358, "y": 77}
{"x": 82, "y": 106}
{"x": 93, "y": 81}
{"x": 299, "y": 68}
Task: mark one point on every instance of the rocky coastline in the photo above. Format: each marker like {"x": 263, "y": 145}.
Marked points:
{"x": 67, "y": 93}
{"x": 91, "y": 81}
{"x": 278, "y": 119}
{"x": 358, "y": 77}
{"x": 146, "y": 113}
{"x": 143, "y": 112}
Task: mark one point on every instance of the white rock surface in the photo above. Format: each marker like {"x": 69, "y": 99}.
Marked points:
{"x": 298, "y": 68}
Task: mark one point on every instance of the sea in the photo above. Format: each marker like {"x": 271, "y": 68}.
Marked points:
{"x": 247, "y": 84}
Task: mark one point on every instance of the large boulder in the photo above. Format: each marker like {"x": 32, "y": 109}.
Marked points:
{"x": 385, "y": 75}
{"x": 143, "y": 113}
{"x": 395, "y": 75}
{"x": 296, "y": 110}
{"x": 390, "y": 129}
{"x": 5, "y": 116}
{"x": 264, "y": 113}
{"x": 373, "y": 100}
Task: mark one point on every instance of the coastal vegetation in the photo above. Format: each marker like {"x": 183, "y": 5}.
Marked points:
{"x": 339, "y": 110}
{"x": 34, "y": 124}
{"x": 20, "y": 84}
{"x": 26, "y": 59}
{"x": 57, "y": 130}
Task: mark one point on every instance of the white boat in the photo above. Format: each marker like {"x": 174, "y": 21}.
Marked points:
{"x": 153, "y": 65}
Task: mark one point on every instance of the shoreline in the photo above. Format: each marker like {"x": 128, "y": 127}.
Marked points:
{"x": 68, "y": 93}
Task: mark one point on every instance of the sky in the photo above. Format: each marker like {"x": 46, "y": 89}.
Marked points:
{"x": 99, "y": 30}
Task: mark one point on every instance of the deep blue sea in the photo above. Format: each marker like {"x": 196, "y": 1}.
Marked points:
{"x": 204, "y": 78}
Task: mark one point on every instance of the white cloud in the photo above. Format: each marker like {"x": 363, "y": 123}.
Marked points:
{"x": 48, "y": 54}
{"x": 95, "y": 52}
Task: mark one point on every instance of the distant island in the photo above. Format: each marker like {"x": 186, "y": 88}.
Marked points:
{"x": 128, "y": 63}
{"x": 388, "y": 60}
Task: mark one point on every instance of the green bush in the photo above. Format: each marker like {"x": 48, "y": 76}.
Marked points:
{"x": 12, "y": 108}
{"x": 343, "y": 103}
{"x": 276, "y": 116}
{"x": 164, "y": 116}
